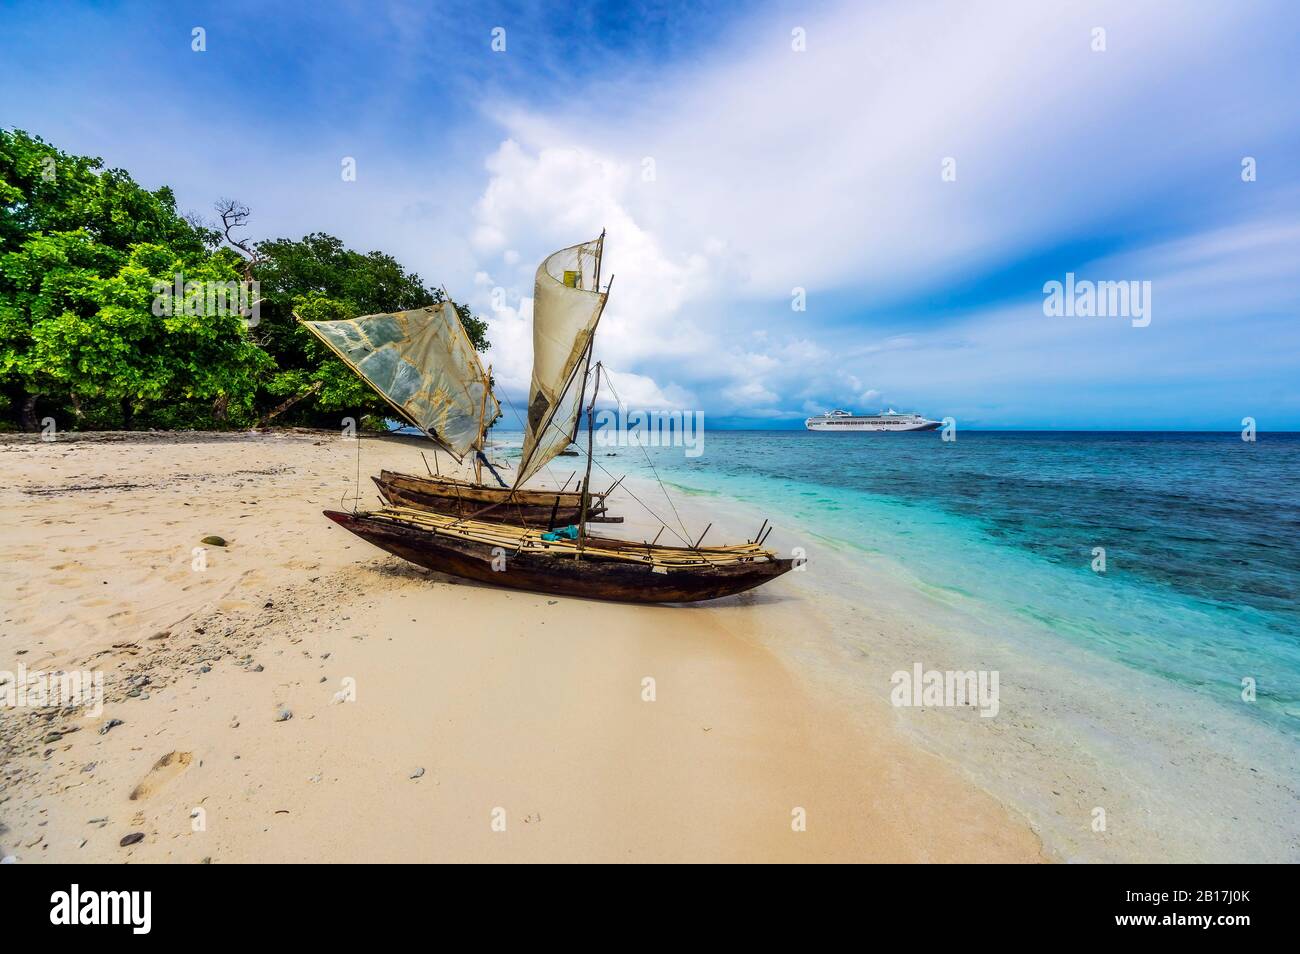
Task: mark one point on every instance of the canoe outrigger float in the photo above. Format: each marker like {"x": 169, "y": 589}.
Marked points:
{"x": 593, "y": 567}
{"x": 529, "y": 508}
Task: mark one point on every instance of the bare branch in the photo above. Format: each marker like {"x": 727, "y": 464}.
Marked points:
{"x": 235, "y": 215}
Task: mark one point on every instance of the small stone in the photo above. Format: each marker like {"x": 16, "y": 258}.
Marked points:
{"x": 417, "y": 773}
{"x": 258, "y": 668}
{"x": 51, "y": 737}
{"x": 132, "y": 839}
{"x": 214, "y": 541}
{"x": 205, "y": 668}
{"x": 110, "y": 724}
{"x": 284, "y": 714}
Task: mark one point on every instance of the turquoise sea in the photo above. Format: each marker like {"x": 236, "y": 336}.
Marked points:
{"x": 1201, "y": 533}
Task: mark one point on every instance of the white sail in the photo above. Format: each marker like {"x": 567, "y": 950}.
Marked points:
{"x": 424, "y": 365}
{"x": 566, "y": 307}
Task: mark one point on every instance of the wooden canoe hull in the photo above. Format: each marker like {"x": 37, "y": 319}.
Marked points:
{"x": 496, "y": 504}
{"x": 546, "y": 572}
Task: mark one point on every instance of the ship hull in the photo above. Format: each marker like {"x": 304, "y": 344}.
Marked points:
{"x": 867, "y": 426}
{"x": 561, "y": 572}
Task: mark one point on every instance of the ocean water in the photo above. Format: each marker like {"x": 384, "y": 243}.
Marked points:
{"x": 1201, "y": 533}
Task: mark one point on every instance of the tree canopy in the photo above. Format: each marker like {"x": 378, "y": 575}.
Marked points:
{"x": 118, "y": 311}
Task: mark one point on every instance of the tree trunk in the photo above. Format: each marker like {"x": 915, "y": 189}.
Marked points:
{"x": 29, "y": 414}
{"x": 128, "y": 413}
{"x": 285, "y": 405}
{"x": 221, "y": 407}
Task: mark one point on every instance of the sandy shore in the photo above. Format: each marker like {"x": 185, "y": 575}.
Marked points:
{"x": 471, "y": 706}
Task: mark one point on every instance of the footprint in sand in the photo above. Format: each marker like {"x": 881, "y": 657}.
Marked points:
{"x": 163, "y": 771}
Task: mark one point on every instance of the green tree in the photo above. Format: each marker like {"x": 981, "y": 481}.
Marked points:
{"x": 80, "y": 252}
{"x": 125, "y": 337}
{"x": 91, "y": 329}
{"x": 321, "y": 279}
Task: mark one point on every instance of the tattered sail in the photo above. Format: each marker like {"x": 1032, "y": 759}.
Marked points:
{"x": 567, "y": 303}
{"x": 424, "y": 365}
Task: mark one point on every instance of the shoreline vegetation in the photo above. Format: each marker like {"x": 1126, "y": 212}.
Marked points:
{"x": 118, "y": 311}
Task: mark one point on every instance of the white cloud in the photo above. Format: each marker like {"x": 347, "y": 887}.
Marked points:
{"x": 775, "y": 169}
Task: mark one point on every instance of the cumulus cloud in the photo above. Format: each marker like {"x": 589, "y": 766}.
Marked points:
{"x": 727, "y": 184}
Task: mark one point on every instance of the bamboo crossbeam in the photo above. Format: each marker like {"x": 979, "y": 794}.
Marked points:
{"x": 519, "y": 538}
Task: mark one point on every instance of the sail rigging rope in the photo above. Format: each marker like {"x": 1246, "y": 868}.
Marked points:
{"x": 684, "y": 536}
{"x": 653, "y": 469}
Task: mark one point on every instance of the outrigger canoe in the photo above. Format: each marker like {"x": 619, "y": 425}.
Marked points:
{"x": 594, "y": 567}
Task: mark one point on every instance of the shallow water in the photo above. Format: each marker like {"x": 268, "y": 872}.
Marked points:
{"x": 1200, "y": 532}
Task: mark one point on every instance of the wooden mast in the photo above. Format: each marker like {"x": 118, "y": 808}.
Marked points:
{"x": 591, "y": 408}
{"x": 586, "y": 483}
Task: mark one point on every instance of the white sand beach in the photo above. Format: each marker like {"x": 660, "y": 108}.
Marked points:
{"x": 428, "y": 719}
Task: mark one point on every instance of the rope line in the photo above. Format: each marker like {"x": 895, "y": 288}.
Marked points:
{"x": 681, "y": 523}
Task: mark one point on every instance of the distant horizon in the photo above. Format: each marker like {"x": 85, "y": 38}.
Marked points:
{"x": 968, "y": 430}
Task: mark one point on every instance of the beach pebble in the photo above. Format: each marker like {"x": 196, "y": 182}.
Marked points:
{"x": 284, "y": 714}
{"x": 132, "y": 839}
{"x": 258, "y": 668}
{"x": 110, "y": 724}
{"x": 417, "y": 773}
{"x": 214, "y": 541}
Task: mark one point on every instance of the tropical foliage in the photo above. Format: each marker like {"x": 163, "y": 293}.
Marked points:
{"x": 108, "y": 316}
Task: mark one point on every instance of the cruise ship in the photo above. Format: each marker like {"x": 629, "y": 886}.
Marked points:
{"x": 889, "y": 420}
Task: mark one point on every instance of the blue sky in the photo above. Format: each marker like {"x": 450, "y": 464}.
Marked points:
{"x": 773, "y": 169}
